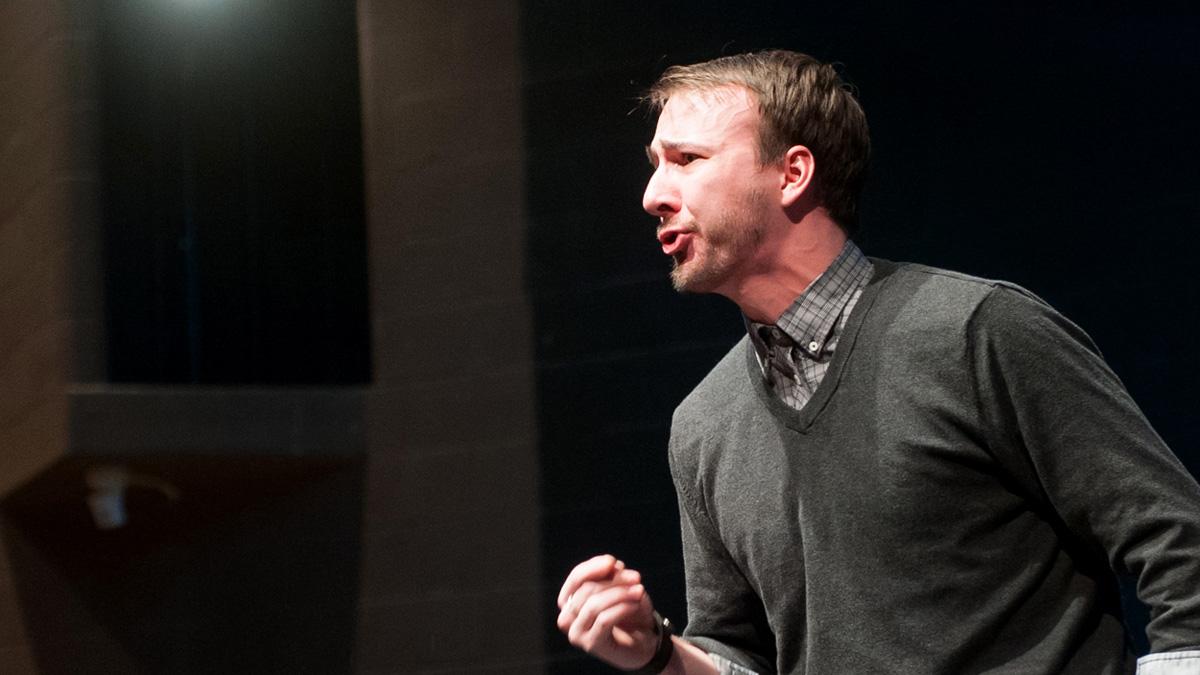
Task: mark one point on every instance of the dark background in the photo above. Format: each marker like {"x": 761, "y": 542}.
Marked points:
{"x": 1054, "y": 146}
{"x": 232, "y": 159}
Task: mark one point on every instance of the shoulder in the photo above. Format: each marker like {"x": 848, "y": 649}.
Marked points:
{"x": 1014, "y": 317}
{"x": 720, "y": 407}
{"x": 727, "y": 381}
{"x": 989, "y": 305}
{"x": 912, "y": 282}
{"x": 952, "y": 308}
{"x": 913, "y": 296}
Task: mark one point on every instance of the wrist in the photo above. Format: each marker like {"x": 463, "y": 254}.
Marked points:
{"x": 663, "y": 650}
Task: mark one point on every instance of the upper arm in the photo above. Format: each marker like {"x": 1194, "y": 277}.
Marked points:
{"x": 1064, "y": 419}
{"x": 725, "y": 614}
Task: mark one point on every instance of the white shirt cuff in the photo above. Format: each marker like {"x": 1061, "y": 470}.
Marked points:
{"x": 728, "y": 667}
{"x": 1170, "y": 663}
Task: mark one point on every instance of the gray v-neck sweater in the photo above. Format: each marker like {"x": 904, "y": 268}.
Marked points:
{"x": 953, "y": 499}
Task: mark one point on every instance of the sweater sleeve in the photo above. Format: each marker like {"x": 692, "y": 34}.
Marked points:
{"x": 1068, "y": 429}
{"x": 725, "y": 616}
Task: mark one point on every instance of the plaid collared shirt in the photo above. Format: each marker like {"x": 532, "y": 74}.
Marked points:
{"x": 797, "y": 350}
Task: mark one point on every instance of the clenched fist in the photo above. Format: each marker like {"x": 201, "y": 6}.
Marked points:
{"x": 606, "y": 612}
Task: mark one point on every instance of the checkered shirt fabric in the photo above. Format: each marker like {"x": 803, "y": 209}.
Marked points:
{"x": 797, "y": 350}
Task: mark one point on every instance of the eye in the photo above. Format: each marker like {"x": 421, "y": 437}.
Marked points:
{"x": 688, "y": 157}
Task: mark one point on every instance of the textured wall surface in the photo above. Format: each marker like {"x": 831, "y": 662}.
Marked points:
{"x": 48, "y": 251}
{"x": 451, "y": 571}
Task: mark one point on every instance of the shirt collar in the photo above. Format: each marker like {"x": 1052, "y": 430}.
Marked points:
{"x": 811, "y": 318}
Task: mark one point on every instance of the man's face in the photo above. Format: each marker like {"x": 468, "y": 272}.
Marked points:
{"x": 710, "y": 193}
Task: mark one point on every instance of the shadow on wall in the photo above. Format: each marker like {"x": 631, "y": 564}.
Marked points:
{"x": 253, "y": 569}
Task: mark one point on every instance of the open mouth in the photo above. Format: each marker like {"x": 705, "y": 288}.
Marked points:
{"x": 675, "y": 243}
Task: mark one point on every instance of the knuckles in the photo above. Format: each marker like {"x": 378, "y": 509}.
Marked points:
{"x": 590, "y": 607}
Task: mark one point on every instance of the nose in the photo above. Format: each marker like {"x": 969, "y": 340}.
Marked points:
{"x": 661, "y": 197}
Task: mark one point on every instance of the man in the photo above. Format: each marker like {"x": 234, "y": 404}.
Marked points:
{"x": 899, "y": 469}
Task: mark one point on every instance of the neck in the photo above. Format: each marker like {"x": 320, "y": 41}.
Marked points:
{"x": 786, "y": 265}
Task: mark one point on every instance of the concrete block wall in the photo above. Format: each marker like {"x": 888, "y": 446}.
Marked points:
{"x": 451, "y": 565}
{"x": 49, "y": 274}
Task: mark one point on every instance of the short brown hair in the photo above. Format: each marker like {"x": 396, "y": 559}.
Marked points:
{"x": 802, "y": 102}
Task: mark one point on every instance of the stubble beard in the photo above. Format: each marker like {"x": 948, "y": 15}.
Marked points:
{"x": 730, "y": 241}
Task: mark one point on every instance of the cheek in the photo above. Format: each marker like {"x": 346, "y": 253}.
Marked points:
{"x": 718, "y": 202}
{"x": 706, "y": 194}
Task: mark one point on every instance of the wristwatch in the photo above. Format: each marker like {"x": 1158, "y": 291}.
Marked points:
{"x": 662, "y": 655}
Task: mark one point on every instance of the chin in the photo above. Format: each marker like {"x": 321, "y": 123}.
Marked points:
{"x": 682, "y": 285}
{"x": 688, "y": 278}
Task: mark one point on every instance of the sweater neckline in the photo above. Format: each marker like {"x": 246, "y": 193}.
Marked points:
{"x": 801, "y": 420}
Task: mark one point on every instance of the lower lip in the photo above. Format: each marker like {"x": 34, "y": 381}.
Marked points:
{"x": 678, "y": 247}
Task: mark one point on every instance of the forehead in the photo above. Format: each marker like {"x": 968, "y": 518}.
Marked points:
{"x": 711, "y": 115}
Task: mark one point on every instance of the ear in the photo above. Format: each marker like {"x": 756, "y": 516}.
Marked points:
{"x": 798, "y": 167}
